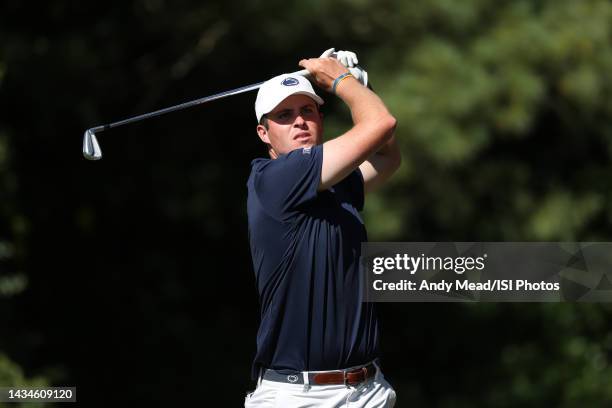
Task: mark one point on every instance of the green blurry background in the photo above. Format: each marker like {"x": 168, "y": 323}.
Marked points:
{"x": 130, "y": 278}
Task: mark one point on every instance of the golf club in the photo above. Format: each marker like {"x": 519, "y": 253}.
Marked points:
{"x": 91, "y": 148}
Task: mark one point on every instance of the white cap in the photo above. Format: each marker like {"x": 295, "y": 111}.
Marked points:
{"x": 275, "y": 90}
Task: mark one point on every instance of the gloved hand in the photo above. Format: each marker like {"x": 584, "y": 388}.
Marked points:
{"x": 349, "y": 60}
{"x": 360, "y": 74}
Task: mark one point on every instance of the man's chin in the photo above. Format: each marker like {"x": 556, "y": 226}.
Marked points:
{"x": 308, "y": 142}
{"x": 300, "y": 144}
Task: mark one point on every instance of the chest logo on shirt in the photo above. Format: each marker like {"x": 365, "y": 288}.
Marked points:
{"x": 290, "y": 81}
{"x": 292, "y": 378}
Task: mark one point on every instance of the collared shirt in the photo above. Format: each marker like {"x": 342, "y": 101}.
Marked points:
{"x": 305, "y": 247}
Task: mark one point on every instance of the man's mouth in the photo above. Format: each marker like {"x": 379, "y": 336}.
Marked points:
{"x": 302, "y": 136}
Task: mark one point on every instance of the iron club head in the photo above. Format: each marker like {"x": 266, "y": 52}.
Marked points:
{"x": 91, "y": 148}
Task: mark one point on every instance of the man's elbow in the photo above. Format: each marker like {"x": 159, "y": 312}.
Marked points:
{"x": 382, "y": 128}
{"x": 388, "y": 125}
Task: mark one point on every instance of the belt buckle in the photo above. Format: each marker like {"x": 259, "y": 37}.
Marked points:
{"x": 345, "y": 374}
{"x": 363, "y": 370}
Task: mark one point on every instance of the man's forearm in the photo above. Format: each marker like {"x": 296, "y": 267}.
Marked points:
{"x": 390, "y": 148}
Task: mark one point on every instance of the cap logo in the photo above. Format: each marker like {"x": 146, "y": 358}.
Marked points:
{"x": 290, "y": 81}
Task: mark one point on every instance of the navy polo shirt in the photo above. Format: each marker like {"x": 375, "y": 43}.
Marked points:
{"x": 305, "y": 247}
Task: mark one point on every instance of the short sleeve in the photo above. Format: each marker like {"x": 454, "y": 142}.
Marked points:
{"x": 288, "y": 182}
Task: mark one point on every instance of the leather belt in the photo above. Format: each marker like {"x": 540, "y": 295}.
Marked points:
{"x": 353, "y": 376}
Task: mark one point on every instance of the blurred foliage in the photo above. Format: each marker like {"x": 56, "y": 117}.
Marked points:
{"x": 11, "y": 375}
{"x": 12, "y": 282}
{"x": 503, "y": 111}
{"x": 142, "y": 258}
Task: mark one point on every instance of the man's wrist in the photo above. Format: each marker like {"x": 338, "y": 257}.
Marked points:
{"x": 345, "y": 84}
{"x": 338, "y": 80}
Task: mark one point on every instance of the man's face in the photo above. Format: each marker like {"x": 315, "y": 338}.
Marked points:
{"x": 295, "y": 123}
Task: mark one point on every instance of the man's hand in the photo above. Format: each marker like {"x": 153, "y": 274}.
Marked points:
{"x": 360, "y": 74}
{"x": 324, "y": 70}
{"x": 349, "y": 60}
{"x": 329, "y": 53}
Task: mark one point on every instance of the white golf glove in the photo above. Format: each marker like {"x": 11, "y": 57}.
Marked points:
{"x": 349, "y": 60}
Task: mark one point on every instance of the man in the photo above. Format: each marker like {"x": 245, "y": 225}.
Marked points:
{"x": 317, "y": 344}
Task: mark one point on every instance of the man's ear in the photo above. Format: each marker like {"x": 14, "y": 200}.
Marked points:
{"x": 262, "y": 132}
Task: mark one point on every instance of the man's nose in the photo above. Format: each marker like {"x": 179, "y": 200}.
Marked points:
{"x": 299, "y": 120}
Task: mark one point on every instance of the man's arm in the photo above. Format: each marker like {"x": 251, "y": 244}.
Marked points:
{"x": 372, "y": 129}
{"x": 381, "y": 165}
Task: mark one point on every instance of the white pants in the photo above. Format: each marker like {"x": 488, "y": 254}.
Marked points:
{"x": 373, "y": 393}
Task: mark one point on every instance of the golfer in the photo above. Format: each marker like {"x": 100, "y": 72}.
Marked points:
{"x": 318, "y": 343}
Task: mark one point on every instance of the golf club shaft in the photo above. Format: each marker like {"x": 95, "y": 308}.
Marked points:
{"x": 185, "y": 105}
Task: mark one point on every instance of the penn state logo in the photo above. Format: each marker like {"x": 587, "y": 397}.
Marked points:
{"x": 289, "y": 81}
{"x": 292, "y": 378}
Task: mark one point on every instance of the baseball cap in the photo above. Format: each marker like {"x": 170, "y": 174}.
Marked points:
{"x": 275, "y": 90}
